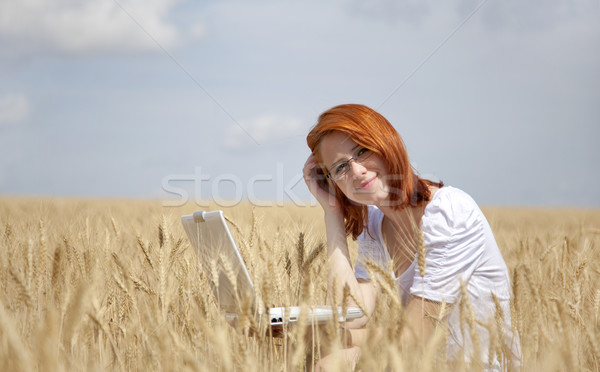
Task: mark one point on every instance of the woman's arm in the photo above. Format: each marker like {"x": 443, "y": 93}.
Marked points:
{"x": 421, "y": 322}
{"x": 421, "y": 315}
{"x": 340, "y": 267}
{"x": 341, "y": 272}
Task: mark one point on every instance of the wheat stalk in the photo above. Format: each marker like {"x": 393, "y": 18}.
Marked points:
{"x": 499, "y": 318}
{"x": 146, "y": 251}
{"x": 230, "y": 275}
{"x": 345, "y": 297}
{"x": 381, "y": 273}
{"x": 115, "y": 228}
{"x": 108, "y": 335}
{"x": 253, "y": 229}
{"x": 57, "y": 265}
{"x": 469, "y": 314}
{"x": 555, "y": 308}
{"x": 421, "y": 250}
{"x": 42, "y": 254}
{"x": 516, "y": 302}
{"x": 24, "y": 292}
{"x": 300, "y": 251}
{"x": 176, "y": 253}
{"x": 29, "y": 272}
{"x": 597, "y": 305}
{"x": 579, "y": 271}
{"x": 141, "y": 285}
{"x": 8, "y": 233}
{"x": 312, "y": 257}
{"x": 20, "y": 357}
{"x": 546, "y": 251}
{"x": 106, "y": 251}
{"x": 279, "y": 289}
{"x": 162, "y": 280}
{"x": 300, "y": 347}
{"x": 214, "y": 273}
{"x": 87, "y": 231}
{"x": 494, "y": 346}
{"x": 591, "y": 340}
{"x": 73, "y": 313}
{"x": 562, "y": 322}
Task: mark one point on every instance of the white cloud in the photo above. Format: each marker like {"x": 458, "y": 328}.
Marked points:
{"x": 13, "y": 109}
{"x": 264, "y": 129}
{"x": 76, "y": 27}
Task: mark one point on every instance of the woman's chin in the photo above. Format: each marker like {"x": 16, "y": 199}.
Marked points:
{"x": 371, "y": 198}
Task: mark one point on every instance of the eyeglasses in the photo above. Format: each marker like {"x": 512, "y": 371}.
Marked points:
{"x": 339, "y": 170}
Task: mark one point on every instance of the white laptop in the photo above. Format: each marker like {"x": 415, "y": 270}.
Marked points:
{"x": 212, "y": 240}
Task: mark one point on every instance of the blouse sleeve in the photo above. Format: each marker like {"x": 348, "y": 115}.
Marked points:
{"x": 454, "y": 241}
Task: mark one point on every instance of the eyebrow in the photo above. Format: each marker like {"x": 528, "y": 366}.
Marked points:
{"x": 343, "y": 160}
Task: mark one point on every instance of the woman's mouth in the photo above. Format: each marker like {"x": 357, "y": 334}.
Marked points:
{"x": 367, "y": 184}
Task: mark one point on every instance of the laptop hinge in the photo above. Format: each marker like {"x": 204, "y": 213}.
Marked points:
{"x": 198, "y": 217}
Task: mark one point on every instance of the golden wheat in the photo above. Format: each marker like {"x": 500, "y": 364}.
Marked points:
{"x": 90, "y": 285}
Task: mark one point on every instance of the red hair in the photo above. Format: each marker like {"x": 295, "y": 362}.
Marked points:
{"x": 370, "y": 129}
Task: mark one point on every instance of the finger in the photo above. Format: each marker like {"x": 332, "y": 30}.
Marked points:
{"x": 310, "y": 162}
{"x": 308, "y": 168}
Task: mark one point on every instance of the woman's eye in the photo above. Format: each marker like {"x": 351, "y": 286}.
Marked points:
{"x": 362, "y": 152}
{"x": 341, "y": 168}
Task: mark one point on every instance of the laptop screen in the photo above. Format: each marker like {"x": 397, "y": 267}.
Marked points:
{"x": 220, "y": 259}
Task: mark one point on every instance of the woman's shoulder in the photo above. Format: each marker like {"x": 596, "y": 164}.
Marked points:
{"x": 450, "y": 205}
{"x": 449, "y": 195}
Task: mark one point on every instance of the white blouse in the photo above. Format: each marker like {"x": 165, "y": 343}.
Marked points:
{"x": 459, "y": 246}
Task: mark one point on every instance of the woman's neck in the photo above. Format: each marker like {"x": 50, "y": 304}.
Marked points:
{"x": 405, "y": 217}
{"x": 410, "y": 215}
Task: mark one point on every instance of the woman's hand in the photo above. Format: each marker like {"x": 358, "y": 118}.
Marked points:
{"x": 318, "y": 185}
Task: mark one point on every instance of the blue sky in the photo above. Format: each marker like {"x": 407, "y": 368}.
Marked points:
{"x": 213, "y": 99}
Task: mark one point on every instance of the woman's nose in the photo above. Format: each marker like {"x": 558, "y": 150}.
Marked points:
{"x": 357, "y": 168}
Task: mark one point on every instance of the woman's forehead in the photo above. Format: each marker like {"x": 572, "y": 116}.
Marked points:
{"x": 336, "y": 146}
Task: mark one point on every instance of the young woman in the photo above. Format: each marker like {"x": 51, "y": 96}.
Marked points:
{"x": 360, "y": 174}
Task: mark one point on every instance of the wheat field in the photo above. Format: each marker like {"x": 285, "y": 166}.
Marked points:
{"x": 95, "y": 285}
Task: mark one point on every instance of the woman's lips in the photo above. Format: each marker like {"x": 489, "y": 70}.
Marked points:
{"x": 367, "y": 184}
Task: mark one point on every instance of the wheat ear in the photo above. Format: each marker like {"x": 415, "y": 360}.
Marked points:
{"x": 376, "y": 269}
{"x": 163, "y": 238}
{"x": 597, "y": 305}
{"x": 115, "y": 227}
{"x": 20, "y": 357}
{"x": 108, "y": 335}
{"x": 469, "y": 313}
{"x": 146, "y": 251}
{"x": 24, "y": 292}
{"x": 421, "y": 249}
{"x": 231, "y": 277}
{"x": 312, "y": 257}
{"x": 29, "y": 275}
{"x": 42, "y": 255}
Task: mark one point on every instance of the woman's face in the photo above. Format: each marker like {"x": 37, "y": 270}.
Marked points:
{"x": 364, "y": 182}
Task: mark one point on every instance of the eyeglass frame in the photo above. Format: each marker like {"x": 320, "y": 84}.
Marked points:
{"x": 354, "y": 158}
